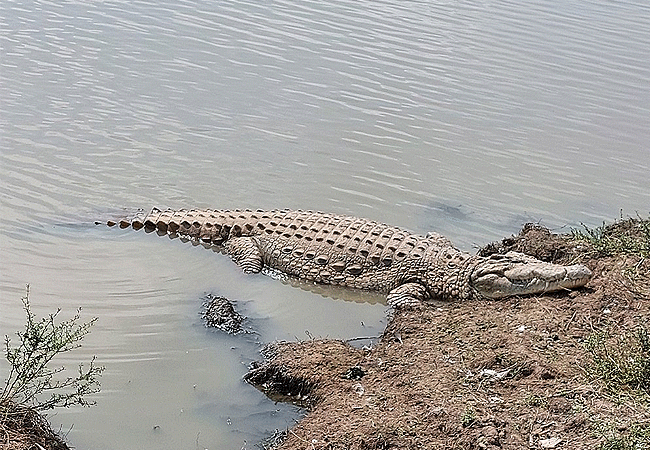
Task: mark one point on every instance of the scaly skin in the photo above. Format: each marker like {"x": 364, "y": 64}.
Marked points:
{"x": 362, "y": 254}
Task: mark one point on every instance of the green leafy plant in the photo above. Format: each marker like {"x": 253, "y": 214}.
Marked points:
{"x": 30, "y": 377}
{"x": 468, "y": 417}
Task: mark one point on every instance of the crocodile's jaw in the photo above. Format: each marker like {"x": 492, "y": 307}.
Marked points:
{"x": 514, "y": 273}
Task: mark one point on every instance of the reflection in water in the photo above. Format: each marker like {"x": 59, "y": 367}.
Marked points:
{"x": 329, "y": 291}
{"x": 466, "y": 119}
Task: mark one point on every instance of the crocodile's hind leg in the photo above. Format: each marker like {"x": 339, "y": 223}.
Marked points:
{"x": 245, "y": 252}
{"x": 407, "y": 294}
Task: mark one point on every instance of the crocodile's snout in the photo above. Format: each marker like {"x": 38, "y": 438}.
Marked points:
{"x": 518, "y": 274}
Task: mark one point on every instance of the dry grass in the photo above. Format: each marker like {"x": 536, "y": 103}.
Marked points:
{"x": 23, "y": 428}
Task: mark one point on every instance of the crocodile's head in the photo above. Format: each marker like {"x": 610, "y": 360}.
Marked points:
{"x": 514, "y": 273}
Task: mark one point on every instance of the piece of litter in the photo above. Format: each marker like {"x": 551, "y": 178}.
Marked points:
{"x": 521, "y": 328}
{"x": 550, "y": 443}
{"x": 494, "y": 374}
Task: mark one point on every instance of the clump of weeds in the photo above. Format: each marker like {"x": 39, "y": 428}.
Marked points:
{"x": 633, "y": 437}
{"x": 629, "y": 236}
{"x": 620, "y": 360}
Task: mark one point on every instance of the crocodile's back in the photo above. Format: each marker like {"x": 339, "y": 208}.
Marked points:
{"x": 313, "y": 246}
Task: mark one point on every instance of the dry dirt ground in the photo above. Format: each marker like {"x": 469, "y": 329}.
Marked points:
{"x": 565, "y": 371}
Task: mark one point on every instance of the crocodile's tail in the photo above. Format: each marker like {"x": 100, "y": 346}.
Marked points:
{"x": 207, "y": 226}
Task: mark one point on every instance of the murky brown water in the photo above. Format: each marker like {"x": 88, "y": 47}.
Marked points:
{"x": 469, "y": 118}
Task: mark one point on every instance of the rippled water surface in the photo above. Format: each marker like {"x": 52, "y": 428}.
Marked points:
{"x": 469, "y": 118}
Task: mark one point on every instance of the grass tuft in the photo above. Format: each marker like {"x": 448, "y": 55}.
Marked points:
{"x": 468, "y": 417}
{"x": 620, "y": 360}
{"x": 535, "y": 401}
{"x": 629, "y": 236}
{"x": 634, "y": 437}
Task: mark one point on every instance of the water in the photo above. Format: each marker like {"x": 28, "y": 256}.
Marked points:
{"x": 468, "y": 118}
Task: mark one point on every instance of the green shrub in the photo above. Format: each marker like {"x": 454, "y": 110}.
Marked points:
{"x": 30, "y": 377}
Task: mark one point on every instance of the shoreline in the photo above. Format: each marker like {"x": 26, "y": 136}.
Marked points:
{"x": 527, "y": 372}
{"x": 505, "y": 374}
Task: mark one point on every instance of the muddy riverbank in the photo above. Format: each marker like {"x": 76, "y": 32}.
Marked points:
{"x": 567, "y": 370}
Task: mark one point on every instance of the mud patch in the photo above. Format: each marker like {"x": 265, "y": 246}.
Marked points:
{"x": 280, "y": 376}
{"x": 220, "y": 313}
{"x": 538, "y": 241}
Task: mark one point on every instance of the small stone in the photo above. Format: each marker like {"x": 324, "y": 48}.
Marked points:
{"x": 354, "y": 373}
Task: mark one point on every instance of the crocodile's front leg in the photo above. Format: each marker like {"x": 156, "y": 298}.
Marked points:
{"x": 407, "y": 294}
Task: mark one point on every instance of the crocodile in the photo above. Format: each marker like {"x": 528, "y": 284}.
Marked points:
{"x": 358, "y": 253}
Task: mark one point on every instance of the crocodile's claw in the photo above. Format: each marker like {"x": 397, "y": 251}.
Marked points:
{"x": 514, "y": 273}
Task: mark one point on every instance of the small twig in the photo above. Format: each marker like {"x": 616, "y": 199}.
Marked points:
{"x": 311, "y": 444}
{"x": 566, "y": 327}
{"x": 361, "y": 338}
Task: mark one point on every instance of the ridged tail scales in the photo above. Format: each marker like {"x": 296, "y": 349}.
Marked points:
{"x": 233, "y": 230}
{"x": 312, "y": 246}
{"x": 207, "y": 226}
